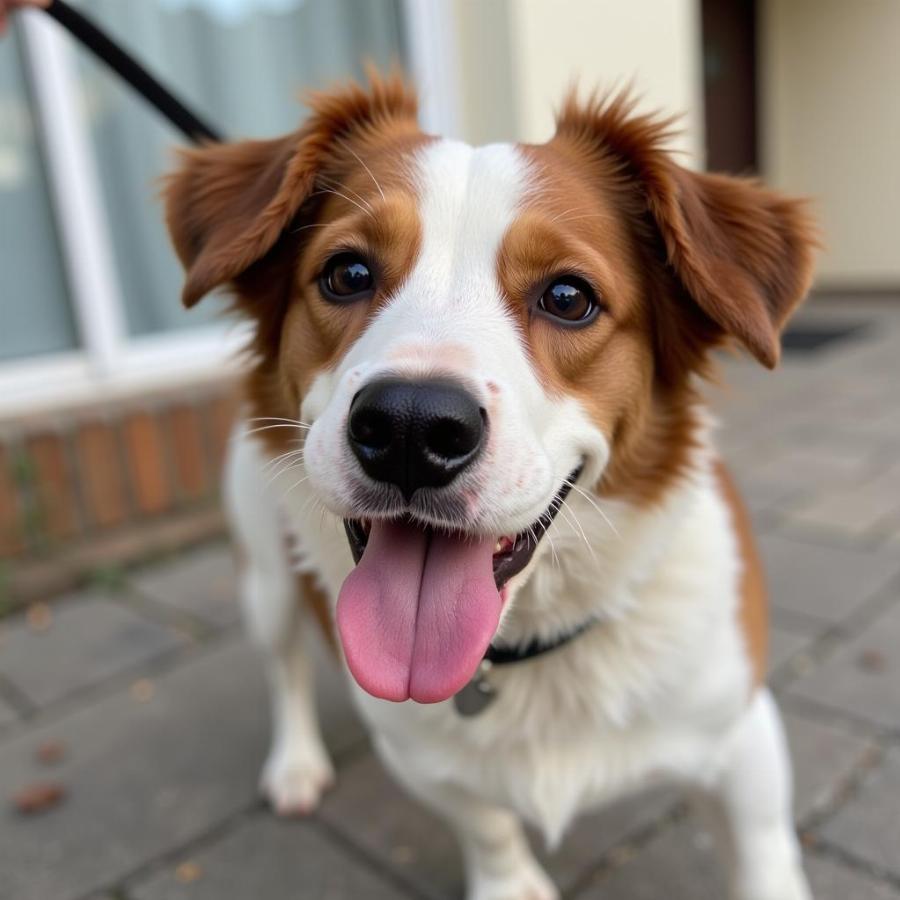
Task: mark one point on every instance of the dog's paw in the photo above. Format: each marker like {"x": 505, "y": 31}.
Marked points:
{"x": 529, "y": 882}
{"x": 294, "y": 779}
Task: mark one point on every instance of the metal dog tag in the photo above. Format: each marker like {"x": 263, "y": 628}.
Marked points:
{"x": 477, "y": 695}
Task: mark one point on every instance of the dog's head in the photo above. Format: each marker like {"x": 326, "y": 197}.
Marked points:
{"x": 468, "y": 331}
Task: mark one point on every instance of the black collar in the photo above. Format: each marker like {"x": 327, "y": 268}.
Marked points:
{"x": 503, "y": 656}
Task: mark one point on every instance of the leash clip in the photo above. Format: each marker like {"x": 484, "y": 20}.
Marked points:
{"x": 478, "y": 694}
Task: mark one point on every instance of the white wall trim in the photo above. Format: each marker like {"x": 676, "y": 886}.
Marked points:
{"x": 433, "y": 51}
{"x": 49, "y": 383}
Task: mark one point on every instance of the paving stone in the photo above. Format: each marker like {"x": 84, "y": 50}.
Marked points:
{"x": 146, "y": 772}
{"x": 267, "y": 858}
{"x": 681, "y": 864}
{"x": 783, "y": 645}
{"x": 374, "y": 814}
{"x": 862, "y": 676}
{"x": 832, "y": 881}
{"x": 825, "y": 582}
{"x": 824, "y": 758}
{"x": 202, "y": 583}
{"x": 853, "y": 510}
{"x": 8, "y": 716}
{"x": 340, "y": 723}
{"x": 141, "y": 777}
{"x": 868, "y": 825}
{"x": 765, "y": 494}
{"x": 684, "y": 864}
{"x": 87, "y": 640}
{"x": 815, "y": 468}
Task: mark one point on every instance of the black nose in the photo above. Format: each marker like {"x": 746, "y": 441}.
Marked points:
{"x": 415, "y": 434}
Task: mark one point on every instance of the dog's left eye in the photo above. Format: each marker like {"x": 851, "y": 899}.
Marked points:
{"x": 571, "y": 300}
{"x": 346, "y": 276}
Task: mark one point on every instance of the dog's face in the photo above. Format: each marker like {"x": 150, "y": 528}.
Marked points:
{"x": 468, "y": 332}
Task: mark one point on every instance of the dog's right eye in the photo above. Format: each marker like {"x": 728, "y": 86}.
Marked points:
{"x": 346, "y": 276}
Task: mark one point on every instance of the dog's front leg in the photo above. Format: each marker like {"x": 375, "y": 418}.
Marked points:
{"x": 498, "y": 860}
{"x": 298, "y": 768}
{"x": 750, "y": 802}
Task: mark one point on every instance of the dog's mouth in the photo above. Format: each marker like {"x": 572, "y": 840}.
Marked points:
{"x": 512, "y": 553}
{"x": 418, "y": 612}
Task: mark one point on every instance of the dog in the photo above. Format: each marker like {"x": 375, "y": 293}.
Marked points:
{"x": 473, "y": 425}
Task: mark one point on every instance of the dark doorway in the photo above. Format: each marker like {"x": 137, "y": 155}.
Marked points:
{"x": 729, "y": 84}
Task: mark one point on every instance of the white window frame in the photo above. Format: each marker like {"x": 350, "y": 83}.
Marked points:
{"x": 109, "y": 362}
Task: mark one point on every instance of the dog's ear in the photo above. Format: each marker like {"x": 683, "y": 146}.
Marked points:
{"x": 228, "y": 204}
{"x": 743, "y": 253}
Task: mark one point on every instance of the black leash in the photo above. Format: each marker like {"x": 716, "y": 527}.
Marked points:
{"x": 128, "y": 68}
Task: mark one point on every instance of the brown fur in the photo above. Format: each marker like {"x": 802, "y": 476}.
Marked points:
{"x": 754, "y": 611}
{"x": 317, "y": 602}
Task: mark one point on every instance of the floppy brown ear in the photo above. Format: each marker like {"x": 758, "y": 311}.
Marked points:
{"x": 743, "y": 253}
{"x": 228, "y": 204}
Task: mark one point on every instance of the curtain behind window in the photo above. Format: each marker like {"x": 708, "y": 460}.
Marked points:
{"x": 35, "y": 315}
{"x": 241, "y": 64}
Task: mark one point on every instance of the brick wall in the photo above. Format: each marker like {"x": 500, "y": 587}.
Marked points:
{"x": 85, "y": 491}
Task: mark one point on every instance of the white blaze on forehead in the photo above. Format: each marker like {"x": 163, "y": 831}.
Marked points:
{"x": 470, "y": 196}
{"x": 468, "y": 199}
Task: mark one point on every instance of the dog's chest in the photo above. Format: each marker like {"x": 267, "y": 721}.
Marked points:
{"x": 642, "y": 697}
{"x": 549, "y": 751}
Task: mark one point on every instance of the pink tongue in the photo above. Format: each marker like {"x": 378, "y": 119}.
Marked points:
{"x": 418, "y": 612}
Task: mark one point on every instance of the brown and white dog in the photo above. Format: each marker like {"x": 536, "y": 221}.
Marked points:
{"x": 451, "y": 345}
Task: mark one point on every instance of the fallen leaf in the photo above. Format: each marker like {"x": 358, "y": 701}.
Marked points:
{"x": 39, "y": 617}
{"x": 142, "y": 690}
{"x": 188, "y": 872}
{"x": 50, "y": 752}
{"x": 39, "y": 797}
{"x": 872, "y": 661}
{"x": 402, "y": 855}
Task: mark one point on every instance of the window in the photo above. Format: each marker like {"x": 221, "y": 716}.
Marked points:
{"x": 93, "y": 299}
{"x": 37, "y": 317}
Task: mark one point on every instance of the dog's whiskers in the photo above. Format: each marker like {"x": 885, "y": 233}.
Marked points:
{"x": 561, "y": 221}
{"x": 356, "y": 156}
{"x": 596, "y": 506}
{"x": 279, "y": 419}
{"x": 295, "y": 462}
{"x": 336, "y": 184}
{"x": 359, "y": 206}
{"x": 282, "y": 456}
{"x": 296, "y": 484}
{"x": 565, "y": 212}
{"x": 574, "y": 523}
{"x": 278, "y": 425}
{"x": 311, "y": 225}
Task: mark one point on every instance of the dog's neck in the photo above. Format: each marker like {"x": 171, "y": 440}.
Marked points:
{"x": 596, "y": 556}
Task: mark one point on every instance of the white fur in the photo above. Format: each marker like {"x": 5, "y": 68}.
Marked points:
{"x": 659, "y": 691}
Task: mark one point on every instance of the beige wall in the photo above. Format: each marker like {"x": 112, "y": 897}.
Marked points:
{"x": 831, "y": 126}
{"x": 519, "y": 57}
{"x": 484, "y": 42}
